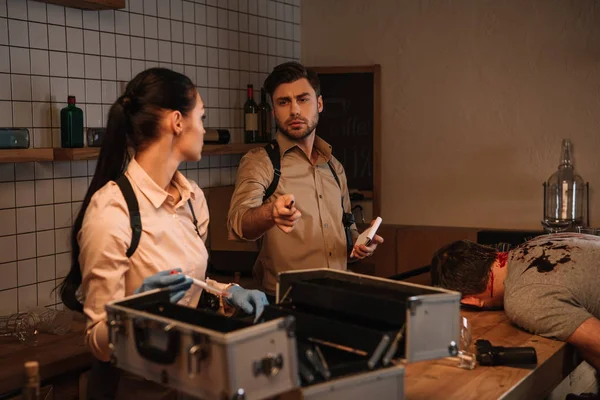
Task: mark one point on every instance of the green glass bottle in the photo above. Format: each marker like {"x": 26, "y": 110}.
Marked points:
{"x": 71, "y": 125}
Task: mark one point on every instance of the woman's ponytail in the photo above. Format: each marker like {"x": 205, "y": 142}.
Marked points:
{"x": 112, "y": 162}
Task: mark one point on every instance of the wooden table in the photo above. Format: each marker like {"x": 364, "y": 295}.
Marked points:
{"x": 57, "y": 355}
{"x": 441, "y": 379}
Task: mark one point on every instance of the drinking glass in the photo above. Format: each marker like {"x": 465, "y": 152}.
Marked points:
{"x": 467, "y": 358}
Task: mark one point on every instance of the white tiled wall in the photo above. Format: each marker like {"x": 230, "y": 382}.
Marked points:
{"x": 48, "y": 52}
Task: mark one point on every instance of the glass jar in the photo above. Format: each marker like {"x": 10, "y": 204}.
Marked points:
{"x": 564, "y": 194}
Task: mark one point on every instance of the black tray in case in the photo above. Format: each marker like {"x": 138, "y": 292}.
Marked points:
{"x": 156, "y": 305}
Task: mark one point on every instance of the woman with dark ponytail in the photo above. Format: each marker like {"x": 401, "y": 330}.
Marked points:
{"x": 153, "y": 127}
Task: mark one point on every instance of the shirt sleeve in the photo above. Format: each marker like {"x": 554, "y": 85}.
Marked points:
{"x": 547, "y": 310}
{"x": 254, "y": 176}
{"x": 103, "y": 240}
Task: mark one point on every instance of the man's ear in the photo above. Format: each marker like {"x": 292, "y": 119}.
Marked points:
{"x": 320, "y": 103}
{"x": 472, "y": 301}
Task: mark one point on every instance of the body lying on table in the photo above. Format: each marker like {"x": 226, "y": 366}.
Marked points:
{"x": 548, "y": 285}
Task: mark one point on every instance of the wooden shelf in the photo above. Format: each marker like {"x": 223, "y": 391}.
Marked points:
{"x": 89, "y": 4}
{"x": 232, "y": 148}
{"x": 26, "y": 155}
{"x": 91, "y": 153}
{"x": 84, "y": 153}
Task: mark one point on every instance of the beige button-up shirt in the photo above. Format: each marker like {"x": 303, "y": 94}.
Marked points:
{"x": 168, "y": 241}
{"x": 318, "y": 239}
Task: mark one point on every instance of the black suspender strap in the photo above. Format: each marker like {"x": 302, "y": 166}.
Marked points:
{"x": 336, "y": 179}
{"x": 194, "y": 218}
{"x": 135, "y": 219}
{"x": 273, "y": 153}
{"x": 347, "y": 218}
{"x": 272, "y": 150}
{"x": 334, "y": 174}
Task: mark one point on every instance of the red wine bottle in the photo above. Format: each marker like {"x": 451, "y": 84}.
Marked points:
{"x": 250, "y": 118}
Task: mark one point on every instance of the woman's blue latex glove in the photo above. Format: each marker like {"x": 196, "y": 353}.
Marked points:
{"x": 251, "y": 301}
{"x": 178, "y": 284}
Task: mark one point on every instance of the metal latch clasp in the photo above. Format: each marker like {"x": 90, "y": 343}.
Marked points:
{"x": 269, "y": 366}
{"x": 198, "y": 352}
{"x": 115, "y": 325}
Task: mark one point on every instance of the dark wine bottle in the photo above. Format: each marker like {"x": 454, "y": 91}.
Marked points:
{"x": 264, "y": 118}
{"x": 250, "y": 118}
{"x": 217, "y": 136}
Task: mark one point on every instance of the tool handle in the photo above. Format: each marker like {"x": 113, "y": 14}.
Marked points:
{"x": 516, "y": 355}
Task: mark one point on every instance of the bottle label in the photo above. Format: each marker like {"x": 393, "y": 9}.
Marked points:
{"x": 251, "y": 122}
{"x": 565, "y": 201}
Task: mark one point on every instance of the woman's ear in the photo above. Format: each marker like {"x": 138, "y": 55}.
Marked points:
{"x": 177, "y": 123}
{"x": 472, "y": 301}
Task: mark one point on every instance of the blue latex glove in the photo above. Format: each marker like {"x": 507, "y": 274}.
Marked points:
{"x": 251, "y": 301}
{"x": 178, "y": 284}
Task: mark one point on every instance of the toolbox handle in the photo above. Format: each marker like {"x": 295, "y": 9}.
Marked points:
{"x": 166, "y": 353}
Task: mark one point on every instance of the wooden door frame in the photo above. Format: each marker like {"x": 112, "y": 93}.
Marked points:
{"x": 375, "y": 69}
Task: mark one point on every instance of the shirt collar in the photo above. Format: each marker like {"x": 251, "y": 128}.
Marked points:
{"x": 323, "y": 148}
{"x": 152, "y": 191}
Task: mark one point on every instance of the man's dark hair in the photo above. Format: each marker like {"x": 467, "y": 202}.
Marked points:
{"x": 290, "y": 72}
{"x": 463, "y": 266}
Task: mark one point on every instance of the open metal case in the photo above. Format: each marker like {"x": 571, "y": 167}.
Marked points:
{"x": 332, "y": 335}
{"x": 430, "y": 316}
{"x": 365, "y": 327}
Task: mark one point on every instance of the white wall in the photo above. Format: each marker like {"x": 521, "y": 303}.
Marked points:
{"x": 476, "y": 98}
{"x": 49, "y": 51}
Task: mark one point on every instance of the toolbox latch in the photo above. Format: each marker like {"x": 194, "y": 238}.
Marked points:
{"x": 116, "y": 324}
{"x": 198, "y": 352}
{"x": 269, "y": 366}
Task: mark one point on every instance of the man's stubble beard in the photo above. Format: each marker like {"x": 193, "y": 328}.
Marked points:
{"x": 310, "y": 128}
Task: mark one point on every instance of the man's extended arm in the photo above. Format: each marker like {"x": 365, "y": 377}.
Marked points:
{"x": 282, "y": 212}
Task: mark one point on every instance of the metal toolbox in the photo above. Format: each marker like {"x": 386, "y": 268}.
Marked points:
{"x": 355, "y": 333}
{"x": 384, "y": 318}
{"x": 201, "y": 353}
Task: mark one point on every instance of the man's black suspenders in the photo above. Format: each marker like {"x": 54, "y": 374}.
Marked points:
{"x": 272, "y": 150}
{"x": 273, "y": 153}
{"x": 135, "y": 220}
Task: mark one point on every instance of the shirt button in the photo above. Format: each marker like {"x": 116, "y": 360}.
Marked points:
{"x": 326, "y": 226}
{"x": 320, "y": 196}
